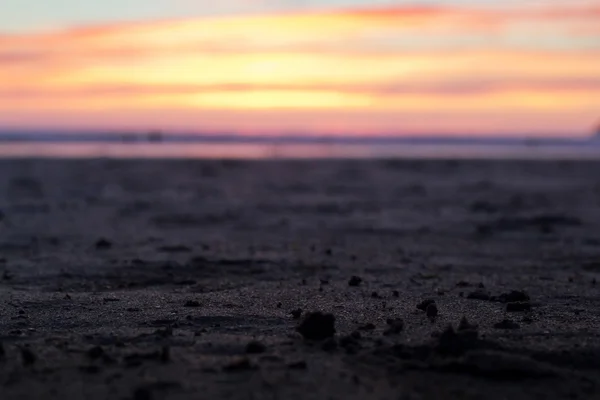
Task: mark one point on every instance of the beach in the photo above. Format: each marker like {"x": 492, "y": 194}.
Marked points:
{"x": 306, "y": 279}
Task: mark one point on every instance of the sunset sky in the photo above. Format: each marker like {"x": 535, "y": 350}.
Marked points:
{"x": 302, "y": 66}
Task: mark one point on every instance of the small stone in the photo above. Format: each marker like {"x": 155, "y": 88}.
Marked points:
{"x": 165, "y": 354}
{"x": 95, "y": 352}
{"x": 103, "y": 244}
{"x": 192, "y": 303}
{"x": 67, "y": 297}
{"x": 479, "y": 295}
{"x": 110, "y": 299}
{"x": 142, "y": 393}
{"x": 432, "y": 310}
{"x": 396, "y": 293}
{"x": 297, "y": 313}
{"x": 506, "y": 324}
{"x": 355, "y": 281}
{"x": 317, "y": 326}
{"x": 513, "y": 296}
{"x": 28, "y": 357}
{"x": 518, "y": 306}
{"x": 242, "y": 364}
{"x": 279, "y": 305}
{"x": 297, "y": 365}
{"x": 375, "y": 295}
{"x": 255, "y": 347}
{"x": 424, "y": 304}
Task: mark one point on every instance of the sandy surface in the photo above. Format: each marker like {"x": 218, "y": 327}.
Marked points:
{"x": 185, "y": 279}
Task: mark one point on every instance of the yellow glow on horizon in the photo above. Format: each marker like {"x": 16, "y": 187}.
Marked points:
{"x": 323, "y": 62}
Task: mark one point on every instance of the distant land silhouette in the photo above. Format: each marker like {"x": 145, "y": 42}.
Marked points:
{"x": 157, "y": 137}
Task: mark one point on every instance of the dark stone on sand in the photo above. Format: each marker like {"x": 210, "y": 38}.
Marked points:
{"x": 375, "y": 295}
{"x": 317, "y": 326}
{"x": 174, "y": 249}
{"x": 192, "y": 303}
{"x": 355, "y": 281}
{"x": 67, "y": 297}
{"x": 95, "y": 352}
{"x": 506, "y": 324}
{"x": 279, "y": 305}
{"x": 142, "y": 393}
{"x": 296, "y": 314}
{"x": 165, "y": 354}
{"x": 255, "y": 347}
{"x": 452, "y": 343}
{"x": 242, "y": 364}
{"x": 28, "y": 357}
{"x": 518, "y": 306}
{"x": 424, "y": 304}
{"x": 6, "y": 276}
{"x": 479, "y": 295}
{"x": 432, "y": 310}
{"x": 513, "y": 296}
{"x": 110, "y": 299}
{"x": 103, "y": 244}
{"x": 297, "y": 365}
{"x": 396, "y": 293}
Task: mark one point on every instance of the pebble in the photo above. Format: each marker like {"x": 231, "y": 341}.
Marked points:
{"x": 432, "y": 310}
{"x": 424, "y": 304}
{"x": 255, "y": 347}
{"x": 513, "y": 296}
{"x": 317, "y": 326}
{"x": 103, "y": 244}
{"x": 192, "y": 303}
{"x": 355, "y": 281}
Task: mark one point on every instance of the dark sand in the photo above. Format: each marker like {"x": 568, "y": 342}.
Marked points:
{"x": 149, "y": 279}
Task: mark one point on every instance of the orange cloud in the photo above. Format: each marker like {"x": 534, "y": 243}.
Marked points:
{"x": 463, "y": 65}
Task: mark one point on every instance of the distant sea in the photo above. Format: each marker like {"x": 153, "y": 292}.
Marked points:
{"x": 157, "y": 145}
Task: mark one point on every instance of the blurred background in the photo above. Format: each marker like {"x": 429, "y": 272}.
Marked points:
{"x": 252, "y": 78}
